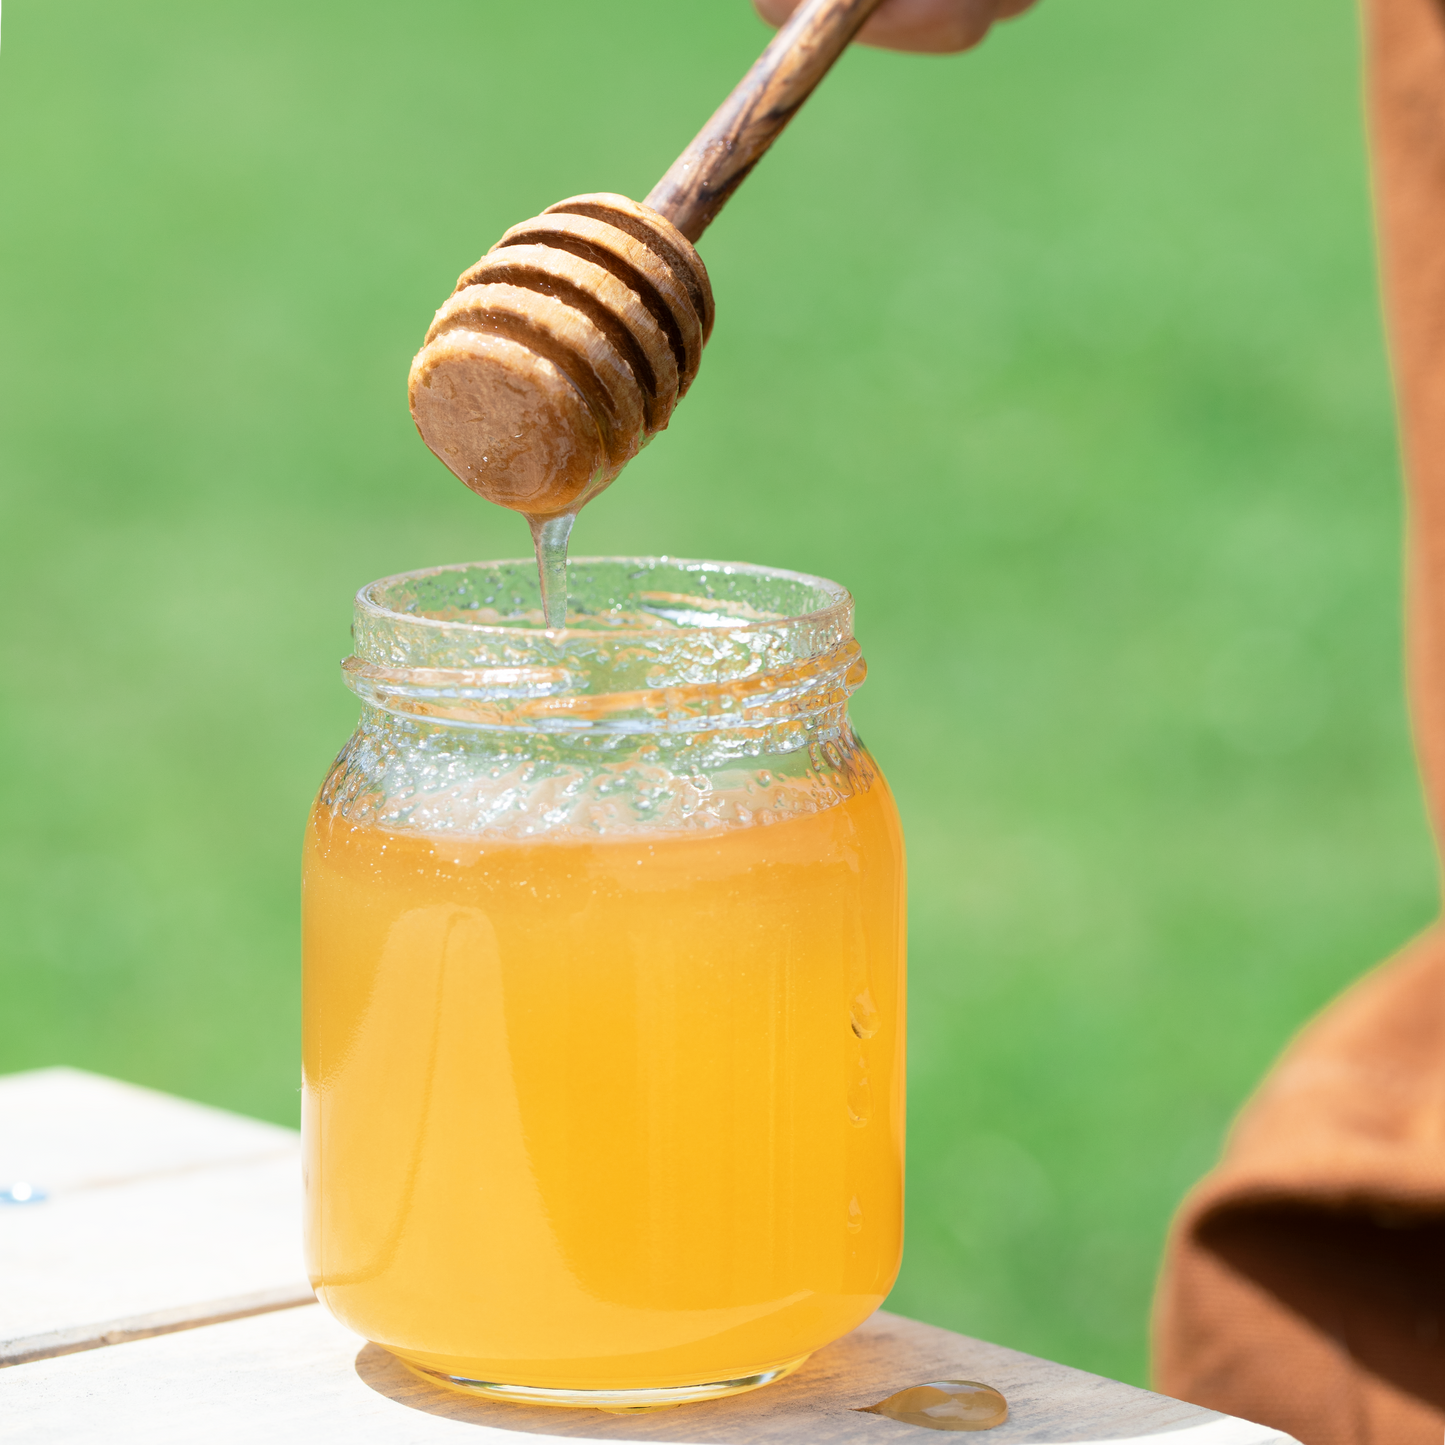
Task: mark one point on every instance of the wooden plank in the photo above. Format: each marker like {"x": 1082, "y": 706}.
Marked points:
{"x": 299, "y": 1377}
{"x": 64, "y": 1129}
{"x": 160, "y": 1243}
{"x": 144, "y": 1327}
{"x": 153, "y": 1208}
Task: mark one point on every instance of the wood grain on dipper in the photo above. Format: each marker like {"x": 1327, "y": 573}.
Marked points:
{"x": 567, "y": 337}
{"x": 698, "y": 183}
{"x": 507, "y": 421}
{"x": 639, "y": 268}
{"x": 611, "y": 306}
{"x": 655, "y": 232}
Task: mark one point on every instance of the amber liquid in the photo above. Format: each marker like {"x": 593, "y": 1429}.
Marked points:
{"x": 614, "y": 1115}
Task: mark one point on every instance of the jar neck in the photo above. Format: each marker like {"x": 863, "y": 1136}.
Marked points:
{"x": 405, "y": 773}
{"x": 783, "y": 708}
{"x": 661, "y": 649}
{"x": 697, "y": 696}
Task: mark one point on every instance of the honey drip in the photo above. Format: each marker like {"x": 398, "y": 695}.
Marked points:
{"x": 549, "y": 537}
{"x": 945, "y": 1405}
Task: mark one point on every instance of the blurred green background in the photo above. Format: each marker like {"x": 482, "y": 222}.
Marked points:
{"x": 1065, "y": 356}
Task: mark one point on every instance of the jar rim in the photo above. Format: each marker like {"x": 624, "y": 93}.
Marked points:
{"x": 839, "y": 598}
{"x": 683, "y": 646}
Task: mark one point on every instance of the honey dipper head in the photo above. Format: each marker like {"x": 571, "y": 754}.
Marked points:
{"x": 562, "y": 352}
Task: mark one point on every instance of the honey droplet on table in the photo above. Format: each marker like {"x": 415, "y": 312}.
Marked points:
{"x": 945, "y": 1405}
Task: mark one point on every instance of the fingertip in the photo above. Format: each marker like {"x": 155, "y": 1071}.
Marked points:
{"x": 929, "y": 27}
{"x": 775, "y": 11}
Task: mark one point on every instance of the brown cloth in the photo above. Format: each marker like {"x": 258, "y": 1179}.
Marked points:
{"x": 1304, "y": 1281}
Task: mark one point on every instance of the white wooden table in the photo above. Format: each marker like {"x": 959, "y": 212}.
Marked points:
{"x": 157, "y": 1293}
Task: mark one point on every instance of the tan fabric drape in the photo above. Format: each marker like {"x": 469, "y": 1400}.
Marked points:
{"x": 1304, "y": 1280}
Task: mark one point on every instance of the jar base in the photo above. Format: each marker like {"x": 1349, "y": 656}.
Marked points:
{"x": 614, "y": 1402}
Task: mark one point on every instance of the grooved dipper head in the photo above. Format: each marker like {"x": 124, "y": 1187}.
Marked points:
{"x": 562, "y": 352}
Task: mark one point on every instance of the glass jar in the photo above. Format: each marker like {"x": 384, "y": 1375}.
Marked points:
{"x": 603, "y": 1092}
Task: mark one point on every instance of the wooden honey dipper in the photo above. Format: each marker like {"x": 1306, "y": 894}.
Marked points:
{"x": 564, "y": 350}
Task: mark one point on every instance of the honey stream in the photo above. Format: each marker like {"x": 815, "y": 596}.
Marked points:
{"x": 549, "y": 537}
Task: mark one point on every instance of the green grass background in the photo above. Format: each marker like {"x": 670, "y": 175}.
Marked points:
{"x": 1065, "y": 356}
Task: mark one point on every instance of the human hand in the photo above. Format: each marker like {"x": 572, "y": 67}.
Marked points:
{"x": 935, "y": 27}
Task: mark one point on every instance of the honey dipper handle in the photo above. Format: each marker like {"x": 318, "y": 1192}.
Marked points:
{"x": 699, "y": 182}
